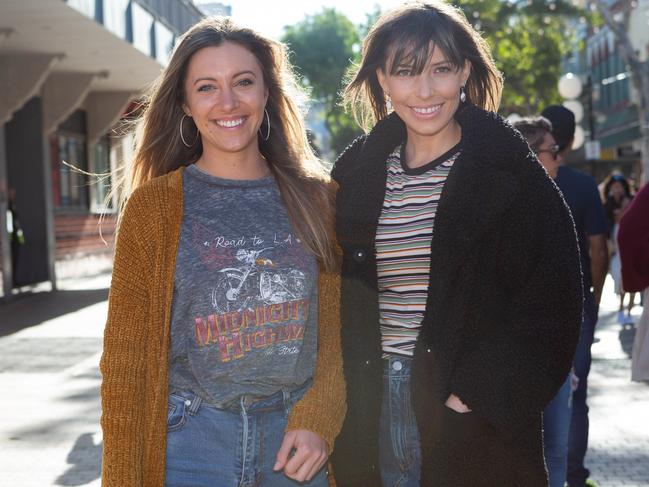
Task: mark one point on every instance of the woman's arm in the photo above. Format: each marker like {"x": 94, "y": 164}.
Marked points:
{"x": 525, "y": 351}
{"x": 323, "y": 407}
{"x": 123, "y": 360}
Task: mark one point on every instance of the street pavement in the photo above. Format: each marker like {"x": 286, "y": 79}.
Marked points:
{"x": 50, "y": 345}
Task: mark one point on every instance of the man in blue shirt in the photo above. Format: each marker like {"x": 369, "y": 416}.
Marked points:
{"x": 582, "y": 196}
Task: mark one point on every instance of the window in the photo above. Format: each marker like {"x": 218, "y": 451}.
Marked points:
{"x": 68, "y": 155}
{"x": 101, "y": 185}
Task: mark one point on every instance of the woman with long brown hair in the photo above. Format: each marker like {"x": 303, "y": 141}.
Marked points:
{"x": 461, "y": 292}
{"x": 221, "y": 361}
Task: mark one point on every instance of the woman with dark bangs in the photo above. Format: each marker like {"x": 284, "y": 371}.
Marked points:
{"x": 461, "y": 294}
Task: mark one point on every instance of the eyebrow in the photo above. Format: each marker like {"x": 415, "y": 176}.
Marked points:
{"x": 209, "y": 78}
{"x": 407, "y": 65}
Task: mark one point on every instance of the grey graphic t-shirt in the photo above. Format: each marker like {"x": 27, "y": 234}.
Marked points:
{"x": 245, "y": 293}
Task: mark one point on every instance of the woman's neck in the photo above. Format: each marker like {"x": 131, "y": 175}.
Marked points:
{"x": 423, "y": 148}
{"x": 234, "y": 165}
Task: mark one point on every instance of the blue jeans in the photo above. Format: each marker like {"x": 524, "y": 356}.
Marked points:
{"x": 578, "y": 439}
{"x": 399, "y": 448}
{"x": 210, "y": 447}
{"x": 556, "y": 426}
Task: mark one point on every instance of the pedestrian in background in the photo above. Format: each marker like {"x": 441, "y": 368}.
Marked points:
{"x": 633, "y": 245}
{"x": 461, "y": 295}
{"x": 556, "y": 415}
{"x": 581, "y": 193}
{"x": 222, "y": 361}
{"x": 616, "y": 196}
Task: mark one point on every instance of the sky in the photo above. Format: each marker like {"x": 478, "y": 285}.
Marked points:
{"x": 270, "y": 16}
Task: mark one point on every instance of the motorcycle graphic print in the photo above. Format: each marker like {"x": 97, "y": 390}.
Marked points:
{"x": 257, "y": 281}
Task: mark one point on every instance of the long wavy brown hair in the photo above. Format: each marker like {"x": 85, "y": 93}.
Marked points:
{"x": 306, "y": 189}
{"x": 406, "y": 35}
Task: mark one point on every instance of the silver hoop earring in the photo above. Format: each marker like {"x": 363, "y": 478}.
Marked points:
{"x": 462, "y": 94}
{"x": 182, "y": 137}
{"x": 268, "y": 122}
{"x": 388, "y": 103}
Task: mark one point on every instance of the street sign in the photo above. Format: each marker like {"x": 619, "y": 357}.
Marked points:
{"x": 593, "y": 149}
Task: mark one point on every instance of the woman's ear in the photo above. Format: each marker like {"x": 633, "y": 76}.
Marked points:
{"x": 466, "y": 72}
{"x": 380, "y": 76}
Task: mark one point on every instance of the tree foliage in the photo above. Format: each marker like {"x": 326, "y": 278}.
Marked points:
{"x": 322, "y": 48}
{"x": 528, "y": 39}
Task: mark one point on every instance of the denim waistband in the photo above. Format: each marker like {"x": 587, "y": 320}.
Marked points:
{"x": 397, "y": 366}
{"x": 280, "y": 400}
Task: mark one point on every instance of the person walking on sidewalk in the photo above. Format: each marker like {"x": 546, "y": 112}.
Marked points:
{"x": 222, "y": 362}
{"x": 461, "y": 295}
{"x": 616, "y": 196}
{"x": 556, "y": 415}
{"x": 633, "y": 245}
{"x": 582, "y": 196}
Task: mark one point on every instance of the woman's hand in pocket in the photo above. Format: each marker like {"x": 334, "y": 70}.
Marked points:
{"x": 309, "y": 454}
{"x": 455, "y": 403}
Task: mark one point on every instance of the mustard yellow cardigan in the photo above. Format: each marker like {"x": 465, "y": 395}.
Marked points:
{"x": 136, "y": 343}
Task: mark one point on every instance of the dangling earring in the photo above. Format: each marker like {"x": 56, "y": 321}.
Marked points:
{"x": 268, "y": 122}
{"x": 462, "y": 94}
{"x": 182, "y": 137}
{"x": 388, "y": 103}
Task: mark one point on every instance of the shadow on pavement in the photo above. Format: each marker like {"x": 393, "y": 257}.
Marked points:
{"x": 84, "y": 460}
{"x": 626, "y": 336}
{"x": 33, "y": 309}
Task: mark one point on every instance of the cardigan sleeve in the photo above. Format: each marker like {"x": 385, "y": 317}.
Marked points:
{"x": 323, "y": 407}
{"x": 515, "y": 369}
{"x": 122, "y": 362}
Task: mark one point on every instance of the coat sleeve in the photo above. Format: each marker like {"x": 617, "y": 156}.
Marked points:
{"x": 323, "y": 407}
{"x": 515, "y": 369}
{"x": 122, "y": 362}
{"x": 633, "y": 242}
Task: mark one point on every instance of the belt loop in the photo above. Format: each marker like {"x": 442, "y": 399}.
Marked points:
{"x": 195, "y": 404}
{"x": 286, "y": 396}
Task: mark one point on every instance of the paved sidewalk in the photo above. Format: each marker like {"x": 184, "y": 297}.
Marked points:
{"x": 49, "y": 377}
{"x": 50, "y": 344}
{"x": 618, "y": 452}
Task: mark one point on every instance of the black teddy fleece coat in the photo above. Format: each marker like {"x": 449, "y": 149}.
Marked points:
{"x": 502, "y": 318}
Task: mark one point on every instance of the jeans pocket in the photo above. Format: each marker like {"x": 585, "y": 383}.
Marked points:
{"x": 176, "y": 416}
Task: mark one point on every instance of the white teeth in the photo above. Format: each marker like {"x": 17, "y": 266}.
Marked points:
{"x": 428, "y": 110}
{"x": 230, "y": 123}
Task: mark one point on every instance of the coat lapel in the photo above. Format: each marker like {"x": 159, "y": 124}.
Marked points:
{"x": 363, "y": 189}
{"x": 482, "y": 185}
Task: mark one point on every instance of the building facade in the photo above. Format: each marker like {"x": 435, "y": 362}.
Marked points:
{"x": 70, "y": 70}
{"x": 610, "y": 98}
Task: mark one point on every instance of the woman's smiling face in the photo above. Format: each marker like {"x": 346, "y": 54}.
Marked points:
{"x": 225, "y": 94}
{"x": 427, "y": 101}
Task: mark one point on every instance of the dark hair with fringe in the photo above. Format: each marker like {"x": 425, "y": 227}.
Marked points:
{"x": 407, "y": 35}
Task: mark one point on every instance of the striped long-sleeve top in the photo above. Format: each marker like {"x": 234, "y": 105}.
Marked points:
{"x": 403, "y": 246}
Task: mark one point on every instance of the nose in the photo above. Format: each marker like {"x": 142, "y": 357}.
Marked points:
{"x": 228, "y": 99}
{"x": 425, "y": 86}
